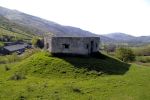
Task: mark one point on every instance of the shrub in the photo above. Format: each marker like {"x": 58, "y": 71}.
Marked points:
{"x": 9, "y": 58}
{"x": 109, "y": 48}
{"x": 142, "y": 51}
{"x": 6, "y": 68}
{"x": 77, "y": 90}
{"x": 12, "y": 58}
{"x": 143, "y": 59}
{"x": 125, "y": 54}
{"x": 1, "y": 44}
{"x": 18, "y": 76}
{"x": 3, "y": 60}
{"x": 22, "y": 97}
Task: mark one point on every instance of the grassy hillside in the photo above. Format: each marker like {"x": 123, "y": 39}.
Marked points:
{"x": 42, "y": 76}
{"x": 71, "y": 66}
{"x": 15, "y": 36}
{"x": 9, "y": 29}
{"x": 40, "y": 26}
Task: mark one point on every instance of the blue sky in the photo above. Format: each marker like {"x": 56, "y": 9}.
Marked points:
{"x": 98, "y": 16}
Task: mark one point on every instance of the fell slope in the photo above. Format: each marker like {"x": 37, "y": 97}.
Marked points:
{"x": 11, "y": 29}
{"x": 41, "y": 26}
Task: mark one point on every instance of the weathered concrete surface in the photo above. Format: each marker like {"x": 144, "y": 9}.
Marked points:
{"x": 72, "y": 45}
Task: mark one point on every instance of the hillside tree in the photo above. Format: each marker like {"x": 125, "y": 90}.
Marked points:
{"x": 37, "y": 42}
{"x": 125, "y": 54}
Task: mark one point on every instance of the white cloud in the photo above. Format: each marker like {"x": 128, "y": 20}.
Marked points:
{"x": 99, "y": 16}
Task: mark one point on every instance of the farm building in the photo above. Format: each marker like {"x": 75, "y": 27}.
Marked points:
{"x": 72, "y": 45}
{"x": 18, "y": 48}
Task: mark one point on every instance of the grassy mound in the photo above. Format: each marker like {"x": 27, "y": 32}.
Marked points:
{"x": 43, "y": 64}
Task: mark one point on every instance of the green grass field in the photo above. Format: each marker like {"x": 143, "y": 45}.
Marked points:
{"x": 43, "y": 77}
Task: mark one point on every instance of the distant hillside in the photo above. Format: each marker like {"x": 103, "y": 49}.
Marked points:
{"x": 105, "y": 39}
{"x": 145, "y": 39}
{"x": 41, "y": 26}
{"x": 14, "y": 31}
{"x": 120, "y": 36}
{"x": 125, "y": 38}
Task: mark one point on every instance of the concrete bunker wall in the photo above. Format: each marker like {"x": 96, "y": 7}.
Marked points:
{"x": 73, "y": 45}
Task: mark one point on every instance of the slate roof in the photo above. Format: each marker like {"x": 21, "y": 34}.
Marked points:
{"x": 15, "y": 47}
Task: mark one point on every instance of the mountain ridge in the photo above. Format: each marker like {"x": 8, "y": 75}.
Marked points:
{"x": 122, "y": 37}
{"x": 40, "y": 26}
{"x": 119, "y": 36}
